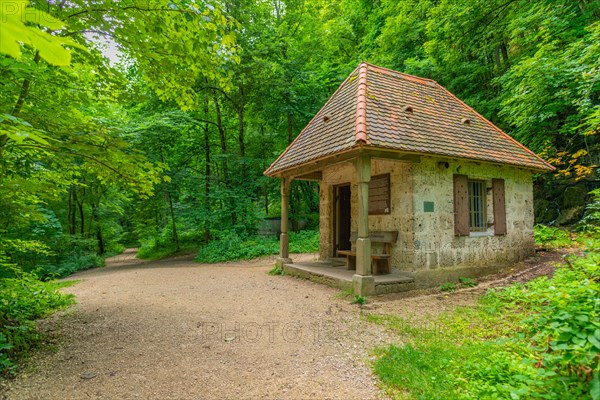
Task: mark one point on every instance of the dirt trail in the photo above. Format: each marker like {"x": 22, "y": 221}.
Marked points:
{"x": 175, "y": 329}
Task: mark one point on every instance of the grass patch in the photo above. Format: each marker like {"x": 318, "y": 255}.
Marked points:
{"x": 345, "y": 293}
{"x": 535, "y": 340}
{"x": 276, "y": 271}
{"x": 414, "y": 372}
{"x": 63, "y": 284}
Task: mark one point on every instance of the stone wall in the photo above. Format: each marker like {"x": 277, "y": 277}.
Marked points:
{"x": 400, "y": 217}
{"x": 426, "y": 241}
{"x": 436, "y": 246}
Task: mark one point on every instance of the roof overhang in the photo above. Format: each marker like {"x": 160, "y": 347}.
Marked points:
{"x": 307, "y": 170}
{"x": 312, "y": 170}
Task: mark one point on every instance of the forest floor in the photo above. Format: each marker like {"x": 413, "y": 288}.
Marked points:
{"x": 175, "y": 329}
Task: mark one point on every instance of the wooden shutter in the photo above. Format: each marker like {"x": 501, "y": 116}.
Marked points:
{"x": 461, "y": 205}
{"x": 499, "y": 206}
{"x": 379, "y": 195}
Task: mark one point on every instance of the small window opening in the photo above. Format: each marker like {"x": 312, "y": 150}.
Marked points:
{"x": 477, "y": 206}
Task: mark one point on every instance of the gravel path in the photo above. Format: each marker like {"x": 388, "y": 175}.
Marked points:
{"x": 175, "y": 329}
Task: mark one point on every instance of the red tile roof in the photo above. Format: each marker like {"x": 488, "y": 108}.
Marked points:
{"x": 381, "y": 108}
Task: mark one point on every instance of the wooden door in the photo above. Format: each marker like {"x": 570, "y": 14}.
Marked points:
{"x": 342, "y": 217}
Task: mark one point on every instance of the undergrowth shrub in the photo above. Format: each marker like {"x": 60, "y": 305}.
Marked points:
{"x": 231, "y": 246}
{"x": 73, "y": 254}
{"x": 69, "y": 266}
{"x": 549, "y": 237}
{"x": 535, "y": 340}
{"x": 163, "y": 246}
{"x": 556, "y": 349}
{"x": 467, "y": 282}
{"x": 276, "y": 271}
{"x": 24, "y": 299}
{"x": 590, "y": 223}
{"x": 448, "y": 287}
{"x": 59, "y": 256}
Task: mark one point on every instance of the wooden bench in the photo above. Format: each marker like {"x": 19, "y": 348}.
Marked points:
{"x": 380, "y": 261}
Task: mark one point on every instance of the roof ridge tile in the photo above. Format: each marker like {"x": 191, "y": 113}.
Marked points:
{"x": 361, "y": 105}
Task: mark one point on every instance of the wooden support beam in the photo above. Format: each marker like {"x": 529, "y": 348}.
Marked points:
{"x": 363, "y": 281}
{"x": 363, "y": 243}
{"x": 320, "y": 164}
{"x": 283, "y": 238}
{"x": 311, "y": 176}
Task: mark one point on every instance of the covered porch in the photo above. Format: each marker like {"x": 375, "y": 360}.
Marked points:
{"x": 334, "y": 273}
{"x": 362, "y": 269}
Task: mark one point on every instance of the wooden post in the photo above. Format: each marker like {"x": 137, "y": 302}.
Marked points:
{"x": 284, "y": 253}
{"x": 364, "y": 283}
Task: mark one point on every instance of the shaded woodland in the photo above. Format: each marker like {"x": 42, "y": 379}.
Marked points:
{"x": 163, "y": 145}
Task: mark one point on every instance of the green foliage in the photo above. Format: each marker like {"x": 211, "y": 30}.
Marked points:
{"x": 448, "y": 287}
{"x": 556, "y": 349}
{"x": 467, "y": 282}
{"x": 345, "y": 293}
{"x": 69, "y": 266}
{"x": 304, "y": 241}
{"x": 15, "y": 15}
{"x": 233, "y": 247}
{"x": 23, "y": 300}
{"x": 590, "y": 223}
{"x": 154, "y": 248}
{"x": 60, "y": 256}
{"x": 533, "y": 340}
{"x": 276, "y": 271}
{"x": 360, "y": 300}
{"x": 552, "y": 238}
{"x": 416, "y": 372}
{"x": 165, "y": 147}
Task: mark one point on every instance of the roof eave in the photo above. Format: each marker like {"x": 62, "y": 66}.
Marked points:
{"x": 361, "y": 146}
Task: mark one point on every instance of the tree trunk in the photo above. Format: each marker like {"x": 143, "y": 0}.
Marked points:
{"x": 266, "y": 200}
{"x": 81, "y": 214}
{"x": 290, "y": 131}
{"x": 497, "y": 58}
{"x": 169, "y": 201}
{"x": 25, "y": 89}
{"x": 96, "y": 219}
{"x": 175, "y": 237}
{"x": 294, "y": 205}
{"x": 221, "y": 130}
{"x": 223, "y": 150}
{"x": 206, "y": 173}
{"x": 504, "y": 51}
{"x": 71, "y": 212}
{"x": 100, "y": 240}
{"x": 241, "y": 123}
